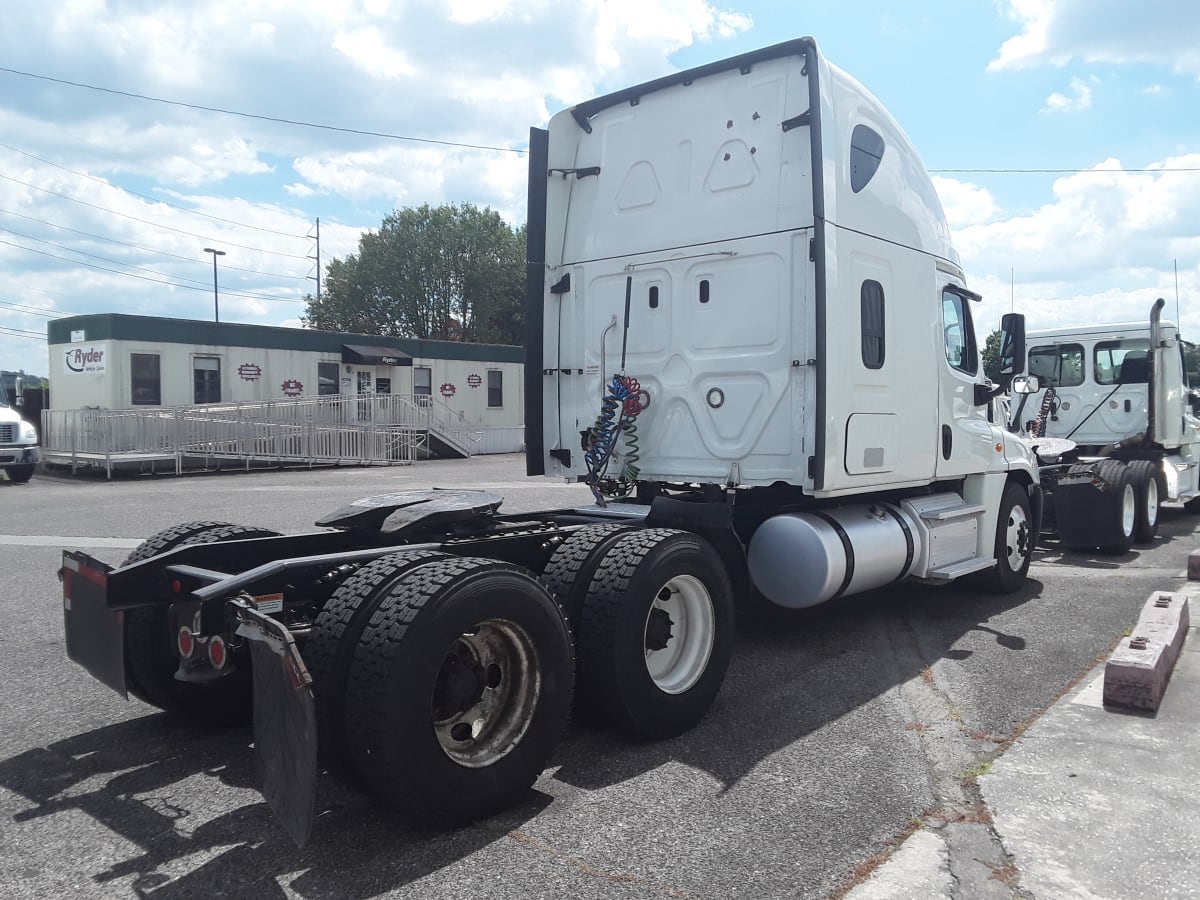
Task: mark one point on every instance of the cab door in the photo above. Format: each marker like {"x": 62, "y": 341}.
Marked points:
{"x": 965, "y": 443}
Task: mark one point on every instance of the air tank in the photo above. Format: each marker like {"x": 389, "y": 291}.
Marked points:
{"x": 804, "y": 558}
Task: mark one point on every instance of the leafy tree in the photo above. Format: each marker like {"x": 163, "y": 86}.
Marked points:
{"x": 991, "y": 357}
{"x": 1191, "y": 362}
{"x": 447, "y": 273}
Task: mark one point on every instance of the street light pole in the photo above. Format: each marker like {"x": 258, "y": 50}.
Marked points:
{"x": 216, "y": 303}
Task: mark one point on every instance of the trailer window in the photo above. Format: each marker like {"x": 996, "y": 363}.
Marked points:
{"x": 959, "y": 333}
{"x": 145, "y": 384}
{"x": 871, "y": 312}
{"x": 327, "y": 378}
{"x": 495, "y": 395}
{"x": 866, "y": 152}
{"x": 1057, "y": 365}
{"x": 206, "y": 379}
{"x": 1123, "y": 362}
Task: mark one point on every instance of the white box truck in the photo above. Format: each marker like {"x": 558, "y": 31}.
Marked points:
{"x": 748, "y": 333}
{"x": 19, "y": 451}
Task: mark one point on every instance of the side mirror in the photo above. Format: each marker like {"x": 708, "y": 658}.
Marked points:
{"x": 1012, "y": 347}
{"x": 1024, "y": 384}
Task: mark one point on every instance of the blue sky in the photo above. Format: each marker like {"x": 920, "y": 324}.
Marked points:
{"x": 107, "y": 200}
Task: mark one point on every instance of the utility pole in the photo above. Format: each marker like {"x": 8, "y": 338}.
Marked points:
{"x": 317, "y": 277}
{"x": 216, "y": 302}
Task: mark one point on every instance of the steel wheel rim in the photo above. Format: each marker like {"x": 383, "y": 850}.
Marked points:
{"x": 486, "y": 693}
{"x": 1128, "y": 509}
{"x": 1016, "y": 538}
{"x": 1152, "y": 501}
{"x": 683, "y": 657}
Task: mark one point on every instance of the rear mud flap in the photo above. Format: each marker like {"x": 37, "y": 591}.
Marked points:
{"x": 285, "y": 725}
{"x": 95, "y": 634}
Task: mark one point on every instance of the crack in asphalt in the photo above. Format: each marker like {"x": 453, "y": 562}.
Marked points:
{"x": 979, "y": 864}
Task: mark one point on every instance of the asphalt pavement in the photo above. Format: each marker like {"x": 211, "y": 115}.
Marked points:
{"x": 910, "y": 742}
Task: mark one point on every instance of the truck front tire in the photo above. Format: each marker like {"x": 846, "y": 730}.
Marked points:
{"x": 19, "y": 474}
{"x": 459, "y": 689}
{"x": 1014, "y": 542}
{"x": 655, "y": 633}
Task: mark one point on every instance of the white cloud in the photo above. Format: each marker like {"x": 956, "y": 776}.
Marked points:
{"x": 964, "y": 203}
{"x": 1054, "y": 32}
{"x": 1080, "y": 99}
{"x": 1101, "y": 251}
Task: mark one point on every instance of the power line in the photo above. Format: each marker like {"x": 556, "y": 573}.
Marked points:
{"x": 244, "y": 115}
{"x": 101, "y": 237}
{"x": 1059, "y": 171}
{"x": 186, "y": 287}
{"x": 34, "y": 311}
{"x": 117, "y": 262}
{"x": 112, "y": 212}
{"x": 21, "y": 332}
{"x": 144, "y": 197}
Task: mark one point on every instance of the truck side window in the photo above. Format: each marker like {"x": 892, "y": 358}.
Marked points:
{"x": 871, "y": 314}
{"x": 960, "y": 333}
{"x": 866, "y": 152}
{"x": 1057, "y": 365}
{"x": 1110, "y": 357}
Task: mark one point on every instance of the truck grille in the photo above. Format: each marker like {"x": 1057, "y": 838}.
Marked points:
{"x": 8, "y": 432}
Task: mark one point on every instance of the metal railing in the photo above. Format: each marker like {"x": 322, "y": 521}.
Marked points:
{"x": 364, "y": 429}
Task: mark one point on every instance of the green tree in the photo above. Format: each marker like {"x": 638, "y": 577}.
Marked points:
{"x": 447, "y": 273}
{"x": 1191, "y": 362}
{"x": 991, "y": 357}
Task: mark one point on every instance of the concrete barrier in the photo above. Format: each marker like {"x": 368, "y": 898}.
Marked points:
{"x": 1137, "y": 673}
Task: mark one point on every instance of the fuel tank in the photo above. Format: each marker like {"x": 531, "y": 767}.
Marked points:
{"x": 801, "y": 559}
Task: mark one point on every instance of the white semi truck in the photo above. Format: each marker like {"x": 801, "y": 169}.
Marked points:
{"x": 748, "y": 333}
{"x": 1114, "y": 423}
{"x": 19, "y": 451}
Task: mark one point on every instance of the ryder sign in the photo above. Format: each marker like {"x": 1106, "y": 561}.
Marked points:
{"x": 90, "y": 360}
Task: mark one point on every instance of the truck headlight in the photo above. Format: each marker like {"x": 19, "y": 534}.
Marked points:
{"x": 28, "y": 433}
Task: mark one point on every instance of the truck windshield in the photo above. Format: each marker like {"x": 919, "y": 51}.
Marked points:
{"x": 1057, "y": 365}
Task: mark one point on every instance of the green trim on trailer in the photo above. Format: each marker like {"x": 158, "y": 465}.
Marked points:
{"x": 118, "y": 327}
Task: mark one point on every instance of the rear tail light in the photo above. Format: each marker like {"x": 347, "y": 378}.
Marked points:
{"x": 217, "y": 654}
{"x": 186, "y": 642}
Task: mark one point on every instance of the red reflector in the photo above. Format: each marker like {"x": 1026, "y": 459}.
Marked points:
{"x": 176, "y": 586}
{"x": 186, "y": 643}
{"x": 95, "y": 576}
{"x": 216, "y": 652}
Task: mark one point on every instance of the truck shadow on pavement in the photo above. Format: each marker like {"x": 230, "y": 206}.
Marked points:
{"x": 133, "y": 778}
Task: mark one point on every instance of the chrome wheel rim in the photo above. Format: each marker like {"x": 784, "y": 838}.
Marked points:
{"x": 486, "y": 693}
{"x": 1016, "y": 538}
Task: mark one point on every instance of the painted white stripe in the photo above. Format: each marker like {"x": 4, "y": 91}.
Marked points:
{"x": 50, "y": 540}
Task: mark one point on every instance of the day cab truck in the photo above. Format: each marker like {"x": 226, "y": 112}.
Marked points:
{"x": 748, "y": 334}
{"x": 19, "y": 451}
{"x": 1114, "y": 424}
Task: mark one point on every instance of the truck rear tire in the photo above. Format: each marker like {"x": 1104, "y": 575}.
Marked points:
{"x": 19, "y": 474}
{"x": 329, "y": 649}
{"x": 655, "y": 633}
{"x": 1014, "y": 542}
{"x": 1149, "y": 488}
{"x": 569, "y": 572}
{"x": 150, "y": 660}
{"x": 1121, "y": 507}
{"x": 459, "y": 689}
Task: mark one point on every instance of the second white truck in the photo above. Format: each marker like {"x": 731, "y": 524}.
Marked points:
{"x": 1114, "y": 423}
